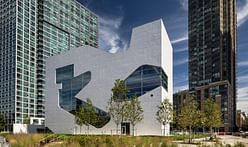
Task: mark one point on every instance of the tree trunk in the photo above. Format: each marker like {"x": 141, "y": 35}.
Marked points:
{"x": 184, "y": 136}
{"x": 80, "y": 128}
{"x": 133, "y": 129}
{"x": 164, "y": 129}
{"x": 121, "y": 122}
{"x": 211, "y": 133}
{"x": 117, "y": 126}
{"x": 189, "y": 134}
{"x": 193, "y": 133}
{"x": 203, "y": 130}
{"x": 88, "y": 129}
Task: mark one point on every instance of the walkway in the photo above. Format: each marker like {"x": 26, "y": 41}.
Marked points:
{"x": 3, "y": 142}
{"x": 224, "y": 139}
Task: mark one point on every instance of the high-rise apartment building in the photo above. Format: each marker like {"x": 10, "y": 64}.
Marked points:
{"x": 212, "y": 54}
{"x": 179, "y": 100}
{"x": 31, "y": 31}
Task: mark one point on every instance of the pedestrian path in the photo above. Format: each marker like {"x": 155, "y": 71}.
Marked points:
{"x": 3, "y": 142}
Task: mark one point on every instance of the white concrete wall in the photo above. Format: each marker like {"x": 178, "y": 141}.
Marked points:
{"x": 20, "y": 128}
{"x": 149, "y": 45}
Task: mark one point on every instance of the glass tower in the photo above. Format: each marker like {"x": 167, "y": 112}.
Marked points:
{"x": 212, "y": 54}
{"x": 31, "y": 31}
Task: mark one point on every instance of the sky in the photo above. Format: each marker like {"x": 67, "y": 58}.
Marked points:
{"x": 118, "y": 17}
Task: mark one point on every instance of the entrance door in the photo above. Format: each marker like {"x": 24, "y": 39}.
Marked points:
{"x": 125, "y": 128}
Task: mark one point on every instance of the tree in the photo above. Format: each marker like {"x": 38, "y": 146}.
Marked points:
{"x": 117, "y": 102}
{"x": 174, "y": 123}
{"x": 134, "y": 113}
{"x": 86, "y": 115}
{"x": 165, "y": 113}
{"x": 80, "y": 118}
{"x": 202, "y": 121}
{"x": 2, "y": 122}
{"x": 189, "y": 116}
{"x": 212, "y": 114}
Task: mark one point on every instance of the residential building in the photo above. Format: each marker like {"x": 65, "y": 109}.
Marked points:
{"x": 241, "y": 120}
{"x": 62, "y": 25}
{"x": 146, "y": 68}
{"x": 179, "y": 99}
{"x": 212, "y": 54}
{"x": 32, "y": 30}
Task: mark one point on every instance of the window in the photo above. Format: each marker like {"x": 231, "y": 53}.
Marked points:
{"x": 144, "y": 79}
{"x": 70, "y": 87}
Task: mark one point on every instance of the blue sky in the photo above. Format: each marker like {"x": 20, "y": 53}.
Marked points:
{"x": 118, "y": 17}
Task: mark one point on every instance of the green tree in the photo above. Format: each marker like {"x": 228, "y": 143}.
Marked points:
{"x": 117, "y": 102}
{"x": 86, "y": 115}
{"x": 2, "y": 122}
{"x": 212, "y": 114}
{"x": 80, "y": 118}
{"x": 189, "y": 116}
{"x": 165, "y": 113}
{"x": 134, "y": 113}
{"x": 174, "y": 122}
{"x": 202, "y": 121}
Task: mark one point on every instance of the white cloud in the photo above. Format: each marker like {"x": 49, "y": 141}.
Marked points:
{"x": 242, "y": 13}
{"x": 243, "y": 79}
{"x": 180, "y": 50}
{"x": 109, "y": 36}
{"x": 180, "y": 88}
{"x": 242, "y": 72}
{"x": 180, "y": 78}
{"x": 242, "y": 105}
{"x": 181, "y": 61}
{"x": 243, "y": 63}
{"x": 243, "y": 93}
{"x": 88, "y": 3}
{"x": 181, "y": 39}
{"x": 184, "y": 4}
{"x": 242, "y": 100}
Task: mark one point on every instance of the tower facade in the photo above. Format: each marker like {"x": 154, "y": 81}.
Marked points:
{"x": 212, "y": 54}
{"x": 32, "y": 30}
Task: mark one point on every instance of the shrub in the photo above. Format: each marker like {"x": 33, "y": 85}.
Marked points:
{"x": 167, "y": 145}
{"x": 109, "y": 142}
{"x": 84, "y": 141}
{"x": 24, "y": 140}
{"x": 239, "y": 144}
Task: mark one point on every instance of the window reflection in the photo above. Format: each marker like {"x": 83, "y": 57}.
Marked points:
{"x": 144, "y": 79}
{"x": 71, "y": 86}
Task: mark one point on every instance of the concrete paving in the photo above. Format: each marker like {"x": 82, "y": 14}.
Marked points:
{"x": 224, "y": 139}
{"x": 3, "y": 142}
{"x": 228, "y": 139}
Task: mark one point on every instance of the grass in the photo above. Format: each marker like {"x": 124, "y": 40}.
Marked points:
{"x": 4, "y": 134}
{"x": 24, "y": 140}
{"x": 66, "y": 140}
{"x": 107, "y": 140}
{"x": 56, "y": 140}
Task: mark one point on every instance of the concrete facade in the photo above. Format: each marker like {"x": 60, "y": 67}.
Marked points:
{"x": 150, "y": 45}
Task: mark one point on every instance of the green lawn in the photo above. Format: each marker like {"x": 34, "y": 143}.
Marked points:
{"x": 29, "y": 140}
{"x": 64, "y": 140}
